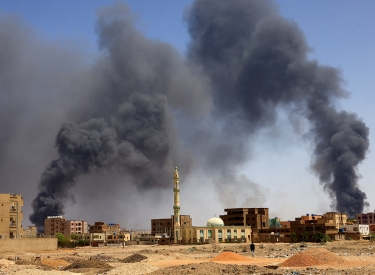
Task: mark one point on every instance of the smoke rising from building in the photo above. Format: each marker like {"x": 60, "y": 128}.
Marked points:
{"x": 144, "y": 108}
{"x": 257, "y": 61}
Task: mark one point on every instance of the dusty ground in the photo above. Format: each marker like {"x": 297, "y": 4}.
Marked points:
{"x": 349, "y": 258}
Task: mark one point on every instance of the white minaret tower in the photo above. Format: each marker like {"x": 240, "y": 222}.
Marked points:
{"x": 176, "y": 207}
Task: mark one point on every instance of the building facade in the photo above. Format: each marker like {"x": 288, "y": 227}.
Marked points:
{"x": 74, "y": 227}
{"x": 362, "y": 229}
{"x": 216, "y": 232}
{"x": 58, "y": 224}
{"x": 11, "y": 216}
{"x": 30, "y": 232}
{"x": 257, "y": 218}
{"x": 368, "y": 218}
{"x": 165, "y": 227}
{"x": 336, "y": 218}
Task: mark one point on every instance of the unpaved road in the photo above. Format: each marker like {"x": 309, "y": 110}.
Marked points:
{"x": 347, "y": 257}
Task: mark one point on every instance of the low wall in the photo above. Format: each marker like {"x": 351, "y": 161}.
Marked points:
{"x": 28, "y": 244}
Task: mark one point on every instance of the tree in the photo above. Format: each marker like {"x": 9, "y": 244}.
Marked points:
{"x": 305, "y": 236}
{"x": 293, "y": 236}
{"x": 321, "y": 237}
{"x": 75, "y": 238}
{"x": 60, "y": 237}
{"x": 62, "y": 240}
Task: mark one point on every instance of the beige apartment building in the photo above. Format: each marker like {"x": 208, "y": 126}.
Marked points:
{"x": 11, "y": 216}
{"x": 112, "y": 232}
{"x": 58, "y": 224}
{"x": 29, "y": 232}
{"x": 336, "y": 218}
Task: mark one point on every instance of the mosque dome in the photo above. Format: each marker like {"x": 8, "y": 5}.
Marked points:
{"x": 215, "y": 222}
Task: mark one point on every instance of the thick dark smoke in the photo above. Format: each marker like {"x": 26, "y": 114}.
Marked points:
{"x": 140, "y": 108}
{"x": 258, "y": 61}
{"x": 137, "y": 84}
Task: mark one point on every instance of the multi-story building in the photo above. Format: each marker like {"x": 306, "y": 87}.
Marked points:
{"x": 101, "y": 227}
{"x": 112, "y": 232}
{"x": 11, "y": 216}
{"x": 257, "y": 218}
{"x": 58, "y": 224}
{"x": 166, "y": 226}
{"x": 30, "y": 232}
{"x": 54, "y": 225}
{"x": 368, "y": 218}
{"x": 336, "y": 218}
{"x": 74, "y": 227}
{"x": 363, "y": 229}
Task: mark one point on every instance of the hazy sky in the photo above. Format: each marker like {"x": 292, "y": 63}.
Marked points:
{"x": 340, "y": 33}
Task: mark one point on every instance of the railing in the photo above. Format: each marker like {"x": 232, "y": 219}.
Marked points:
{"x": 13, "y": 224}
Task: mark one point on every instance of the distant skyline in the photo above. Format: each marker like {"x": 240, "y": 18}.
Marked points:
{"x": 341, "y": 34}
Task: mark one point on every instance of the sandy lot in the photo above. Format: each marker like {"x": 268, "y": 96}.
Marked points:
{"x": 348, "y": 257}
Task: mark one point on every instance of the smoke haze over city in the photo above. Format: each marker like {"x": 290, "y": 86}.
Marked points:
{"x": 96, "y": 134}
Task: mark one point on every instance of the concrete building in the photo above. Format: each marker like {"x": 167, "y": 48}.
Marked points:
{"x": 74, "y": 227}
{"x": 216, "y": 232}
{"x": 112, "y": 232}
{"x": 11, "y": 216}
{"x": 336, "y": 218}
{"x": 257, "y": 218}
{"x": 58, "y": 224}
{"x": 165, "y": 227}
{"x": 307, "y": 227}
{"x": 368, "y": 218}
{"x": 274, "y": 235}
{"x": 362, "y": 229}
{"x": 53, "y": 225}
{"x": 30, "y": 232}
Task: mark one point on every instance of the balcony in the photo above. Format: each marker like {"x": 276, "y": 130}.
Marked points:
{"x": 13, "y": 209}
{"x": 12, "y": 224}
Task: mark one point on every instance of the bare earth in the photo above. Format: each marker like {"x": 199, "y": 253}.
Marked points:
{"x": 348, "y": 257}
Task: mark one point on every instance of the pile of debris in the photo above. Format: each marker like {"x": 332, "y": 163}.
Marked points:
{"x": 313, "y": 257}
{"x": 135, "y": 258}
{"x": 88, "y": 264}
{"x": 103, "y": 258}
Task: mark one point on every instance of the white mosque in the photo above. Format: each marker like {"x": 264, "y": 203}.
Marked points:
{"x": 214, "y": 232}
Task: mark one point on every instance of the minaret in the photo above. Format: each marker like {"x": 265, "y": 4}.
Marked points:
{"x": 176, "y": 207}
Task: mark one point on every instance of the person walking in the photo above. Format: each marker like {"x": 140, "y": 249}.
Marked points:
{"x": 252, "y": 249}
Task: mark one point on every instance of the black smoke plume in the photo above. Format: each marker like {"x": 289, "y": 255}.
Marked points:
{"x": 257, "y": 62}
{"x": 142, "y": 108}
{"x": 137, "y": 83}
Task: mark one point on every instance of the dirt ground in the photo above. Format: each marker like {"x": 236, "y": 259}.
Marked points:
{"x": 346, "y": 257}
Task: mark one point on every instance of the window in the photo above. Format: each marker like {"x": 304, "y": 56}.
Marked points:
{"x": 209, "y": 233}
{"x": 220, "y": 235}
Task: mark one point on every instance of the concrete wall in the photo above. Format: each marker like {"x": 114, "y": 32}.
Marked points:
{"x": 28, "y": 244}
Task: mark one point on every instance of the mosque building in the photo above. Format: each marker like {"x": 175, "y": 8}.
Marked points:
{"x": 214, "y": 232}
